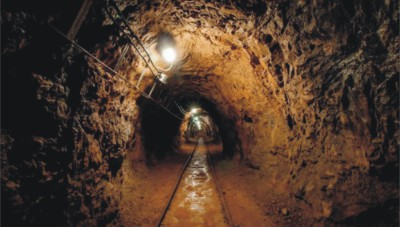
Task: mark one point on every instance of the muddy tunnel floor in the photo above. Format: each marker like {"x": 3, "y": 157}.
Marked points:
{"x": 197, "y": 201}
{"x": 297, "y": 104}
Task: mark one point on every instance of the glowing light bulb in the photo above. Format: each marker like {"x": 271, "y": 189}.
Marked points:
{"x": 169, "y": 54}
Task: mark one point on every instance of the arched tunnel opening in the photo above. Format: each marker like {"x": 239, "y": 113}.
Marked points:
{"x": 224, "y": 128}
{"x": 162, "y": 133}
{"x": 200, "y": 113}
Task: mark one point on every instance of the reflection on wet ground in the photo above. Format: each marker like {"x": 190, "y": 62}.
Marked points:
{"x": 196, "y": 202}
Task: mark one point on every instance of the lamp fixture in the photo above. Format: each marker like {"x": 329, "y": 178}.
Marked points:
{"x": 162, "y": 78}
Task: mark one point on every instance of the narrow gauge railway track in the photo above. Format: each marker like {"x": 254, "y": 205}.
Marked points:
{"x": 196, "y": 200}
{"x": 177, "y": 184}
{"x": 219, "y": 189}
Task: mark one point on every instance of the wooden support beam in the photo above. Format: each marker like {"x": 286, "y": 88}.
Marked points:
{"x": 76, "y": 25}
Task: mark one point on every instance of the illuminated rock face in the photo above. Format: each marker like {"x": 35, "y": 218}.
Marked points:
{"x": 308, "y": 91}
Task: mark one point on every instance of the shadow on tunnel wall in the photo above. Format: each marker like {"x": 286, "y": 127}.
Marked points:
{"x": 159, "y": 130}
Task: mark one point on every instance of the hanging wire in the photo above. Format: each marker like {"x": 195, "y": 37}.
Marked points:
{"x": 131, "y": 33}
{"x": 155, "y": 74}
{"x": 144, "y": 94}
{"x": 128, "y": 33}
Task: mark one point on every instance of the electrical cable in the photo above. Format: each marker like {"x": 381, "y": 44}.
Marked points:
{"x": 144, "y": 94}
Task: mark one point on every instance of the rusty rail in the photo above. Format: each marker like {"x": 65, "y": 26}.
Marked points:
{"x": 177, "y": 184}
{"x": 221, "y": 196}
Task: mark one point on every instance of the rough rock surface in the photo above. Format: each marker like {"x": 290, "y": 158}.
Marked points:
{"x": 306, "y": 91}
{"x": 65, "y": 127}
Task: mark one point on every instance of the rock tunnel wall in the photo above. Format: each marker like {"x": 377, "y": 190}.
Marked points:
{"x": 339, "y": 82}
{"x": 66, "y": 125}
{"x": 309, "y": 87}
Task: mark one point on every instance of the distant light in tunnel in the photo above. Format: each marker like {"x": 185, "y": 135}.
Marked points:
{"x": 198, "y": 125}
{"x": 193, "y": 111}
{"x": 169, "y": 54}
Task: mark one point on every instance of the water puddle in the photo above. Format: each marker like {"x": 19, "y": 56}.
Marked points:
{"x": 196, "y": 202}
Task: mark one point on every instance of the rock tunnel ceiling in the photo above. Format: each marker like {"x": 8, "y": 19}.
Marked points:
{"x": 305, "y": 94}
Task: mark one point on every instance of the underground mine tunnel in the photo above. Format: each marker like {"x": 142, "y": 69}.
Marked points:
{"x": 200, "y": 113}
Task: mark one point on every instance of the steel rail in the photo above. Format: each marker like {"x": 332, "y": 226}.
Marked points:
{"x": 177, "y": 184}
{"x": 144, "y": 94}
{"x": 224, "y": 206}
